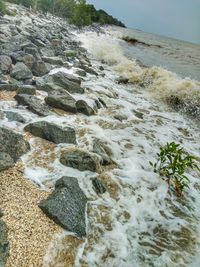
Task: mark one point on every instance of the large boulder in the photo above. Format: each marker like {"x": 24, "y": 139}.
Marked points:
{"x": 67, "y": 206}
{"x": 34, "y": 104}
{"x": 4, "y": 245}
{"x": 80, "y": 159}
{"x": 5, "y": 161}
{"x": 12, "y": 143}
{"x": 5, "y": 63}
{"x": 21, "y": 72}
{"x": 62, "y": 100}
{"x": 67, "y": 82}
{"x": 52, "y": 132}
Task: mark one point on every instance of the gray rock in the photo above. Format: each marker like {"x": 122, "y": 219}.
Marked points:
{"x": 26, "y": 89}
{"x": 5, "y": 63}
{"x": 8, "y": 87}
{"x": 120, "y": 117}
{"x": 28, "y": 60}
{"x": 62, "y": 100}
{"x": 122, "y": 80}
{"x": 47, "y": 52}
{"x": 138, "y": 114}
{"x": 32, "y": 50}
{"x": 4, "y": 245}
{"x": 39, "y": 68}
{"x": 79, "y": 159}
{"x": 12, "y": 143}
{"x": 84, "y": 108}
{"x": 52, "y": 132}
{"x": 53, "y": 60}
{"x": 81, "y": 73}
{"x": 68, "y": 82}
{"x": 100, "y": 149}
{"x": 14, "y": 116}
{"x": 34, "y": 104}
{"x": 98, "y": 186}
{"x": 17, "y": 56}
{"x": 89, "y": 70}
{"x": 21, "y": 72}
{"x": 5, "y": 161}
{"x": 66, "y": 206}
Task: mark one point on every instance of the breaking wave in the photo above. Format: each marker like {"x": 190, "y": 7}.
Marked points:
{"x": 181, "y": 94}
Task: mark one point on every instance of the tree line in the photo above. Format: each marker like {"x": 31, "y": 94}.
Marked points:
{"x": 78, "y": 12}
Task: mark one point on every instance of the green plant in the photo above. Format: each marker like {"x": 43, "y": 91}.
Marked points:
{"x": 3, "y": 8}
{"x": 171, "y": 164}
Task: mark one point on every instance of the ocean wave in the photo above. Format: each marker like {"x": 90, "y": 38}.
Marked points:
{"x": 181, "y": 94}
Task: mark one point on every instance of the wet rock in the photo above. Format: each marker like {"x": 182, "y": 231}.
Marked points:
{"x": 68, "y": 82}
{"x": 120, "y": 117}
{"x": 102, "y": 150}
{"x": 4, "y": 245}
{"x": 2, "y": 115}
{"x": 34, "y": 104}
{"x": 98, "y": 186}
{"x": 21, "y": 72}
{"x": 12, "y": 143}
{"x": 39, "y": 68}
{"x": 122, "y": 80}
{"x": 5, "y": 63}
{"x": 62, "y": 100}
{"x": 5, "y": 161}
{"x": 26, "y": 89}
{"x": 53, "y": 60}
{"x": 81, "y": 73}
{"x": 84, "y": 108}
{"x": 52, "y": 132}
{"x": 89, "y": 70}
{"x": 66, "y": 206}
{"x": 80, "y": 159}
{"x": 138, "y": 114}
{"x": 14, "y": 116}
{"x": 1, "y": 213}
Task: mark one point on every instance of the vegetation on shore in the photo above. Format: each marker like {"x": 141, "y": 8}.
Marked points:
{"x": 77, "y": 11}
{"x": 3, "y": 8}
{"x": 172, "y": 163}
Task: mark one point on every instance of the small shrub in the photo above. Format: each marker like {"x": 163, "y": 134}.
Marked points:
{"x": 171, "y": 164}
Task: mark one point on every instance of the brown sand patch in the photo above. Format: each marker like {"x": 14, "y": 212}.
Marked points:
{"x": 62, "y": 251}
{"x": 7, "y": 95}
{"x": 30, "y": 231}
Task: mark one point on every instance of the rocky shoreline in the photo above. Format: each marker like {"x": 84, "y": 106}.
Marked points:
{"x": 32, "y": 47}
{"x": 75, "y": 142}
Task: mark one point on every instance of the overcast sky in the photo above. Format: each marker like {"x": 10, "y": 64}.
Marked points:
{"x": 179, "y": 19}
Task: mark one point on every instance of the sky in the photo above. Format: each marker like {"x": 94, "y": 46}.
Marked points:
{"x": 178, "y": 19}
